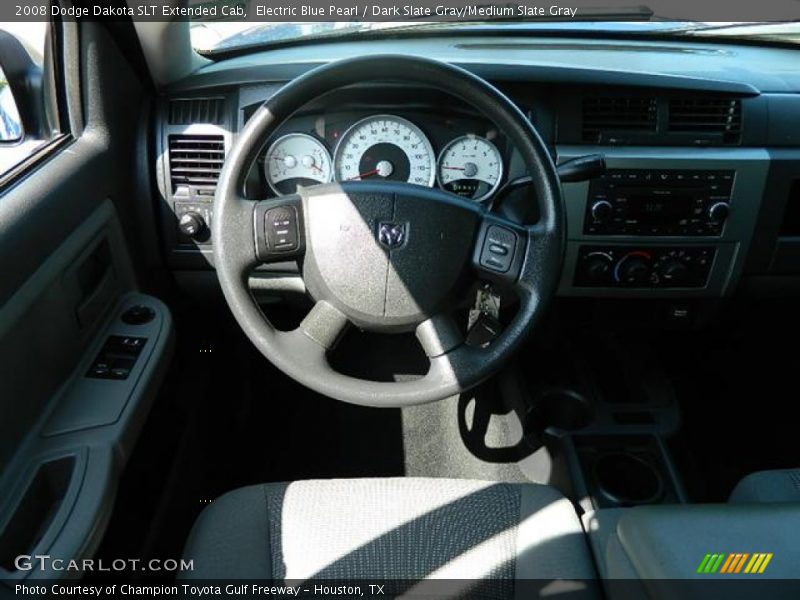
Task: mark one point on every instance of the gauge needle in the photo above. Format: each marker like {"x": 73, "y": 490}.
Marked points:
{"x": 455, "y": 168}
{"x": 363, "y": 175}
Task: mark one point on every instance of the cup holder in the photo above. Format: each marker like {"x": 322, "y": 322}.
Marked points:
{"x": 628, "y": 479}
{"x": 562, "y": 408}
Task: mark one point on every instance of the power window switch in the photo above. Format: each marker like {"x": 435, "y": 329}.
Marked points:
{"x": 99, "y": 370}
{"x": 122, "y": 367}
{"x": 119, "y": 373}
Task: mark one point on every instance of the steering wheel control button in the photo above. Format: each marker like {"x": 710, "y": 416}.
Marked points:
{"x": 138, "y": 315}
{"x": 498, "y": 249}
{"x": 117, "y": 357}
{"x": 281, "y": 229}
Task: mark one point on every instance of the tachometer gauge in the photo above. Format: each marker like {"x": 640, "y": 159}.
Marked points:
{"x": 385, "y": 147}
{"x": 296, "y": 159}
{"x": 470, "y": 166}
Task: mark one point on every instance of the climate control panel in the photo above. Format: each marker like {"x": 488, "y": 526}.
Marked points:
{"x": 643, "y": 267}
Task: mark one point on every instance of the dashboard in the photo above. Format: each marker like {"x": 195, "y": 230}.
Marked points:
{"x": 462, "y": 155}
{"x": 703, "y": 153}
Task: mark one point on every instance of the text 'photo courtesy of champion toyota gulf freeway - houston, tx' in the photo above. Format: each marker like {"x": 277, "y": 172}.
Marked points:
{"x": 400, "y": 298}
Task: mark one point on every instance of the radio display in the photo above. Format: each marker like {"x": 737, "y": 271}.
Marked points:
{"x": 651, "y": 210}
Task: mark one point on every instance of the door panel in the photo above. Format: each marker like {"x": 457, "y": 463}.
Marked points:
{"x": 68, "y": 230}
{"x": 42, "y": 336}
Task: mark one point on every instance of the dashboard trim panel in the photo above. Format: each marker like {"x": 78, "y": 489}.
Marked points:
{"x": 547, "y": 77}
{"x": 751, "y": 166}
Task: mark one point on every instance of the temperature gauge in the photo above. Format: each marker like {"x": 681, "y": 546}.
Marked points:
{"x": 296, "y": 159}
{"x": 470, "y": 166}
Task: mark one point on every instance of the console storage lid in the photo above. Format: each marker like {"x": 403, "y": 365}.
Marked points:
{"x": 665, "y": 545}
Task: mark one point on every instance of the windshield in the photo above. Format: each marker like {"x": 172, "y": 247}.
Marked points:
{"x": 662, "y": 17}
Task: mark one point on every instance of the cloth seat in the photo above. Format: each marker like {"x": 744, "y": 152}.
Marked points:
{"x": 392, "y": 529}
{"x": 781, "y": 485}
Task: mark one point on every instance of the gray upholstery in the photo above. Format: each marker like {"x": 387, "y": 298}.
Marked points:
{"x": 668, "y": 542}
{"x": 408, "y": 528}
{"x": 610, "y": 557}
{"x": 768, "y": 486}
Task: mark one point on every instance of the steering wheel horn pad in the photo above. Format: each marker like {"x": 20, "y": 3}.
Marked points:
{"x": 387, "y": 256}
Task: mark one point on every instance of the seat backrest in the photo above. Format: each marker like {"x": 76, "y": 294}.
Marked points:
{"x": 780, "y": 485}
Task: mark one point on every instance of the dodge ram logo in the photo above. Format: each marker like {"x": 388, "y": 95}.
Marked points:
{"x": 391, "y": 235}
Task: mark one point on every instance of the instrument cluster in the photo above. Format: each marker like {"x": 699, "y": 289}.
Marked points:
{"x": 462, "y": 157}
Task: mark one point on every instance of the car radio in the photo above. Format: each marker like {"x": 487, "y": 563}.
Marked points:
{"x": 659, "y": 202}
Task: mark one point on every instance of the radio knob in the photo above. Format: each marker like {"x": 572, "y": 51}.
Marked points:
{"x": 719, "y": 211}
{"x": 674, "y": 272}
{"x": 601, "y": 210}
{"x": 192, "y": 224}
{"x": 633, "y": 269}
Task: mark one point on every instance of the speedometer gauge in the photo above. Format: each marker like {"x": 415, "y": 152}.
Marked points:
{"x": 296, "y": 159}
{"x": 470, "y": 166}
{"x": 385, "y": 147}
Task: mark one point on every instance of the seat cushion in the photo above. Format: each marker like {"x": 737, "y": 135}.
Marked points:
{"x": 401, "y": 529}
{"x": 768, "y": 486}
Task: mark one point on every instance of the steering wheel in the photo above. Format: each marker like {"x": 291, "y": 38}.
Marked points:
{"x": 387, "y": 257}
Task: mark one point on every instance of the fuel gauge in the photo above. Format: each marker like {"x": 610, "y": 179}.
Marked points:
{"x": 296, "y": 159}
{"x": 470, "y": 166}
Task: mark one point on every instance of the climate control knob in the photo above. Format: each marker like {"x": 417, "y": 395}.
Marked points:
{"x": 192, "y": 224}
{"x": 674, "y": 272}
{"x": 601, "y": 211}
{"x": 598, "y": 267}
{"x": 633, "y": 269}
{"x": 719, "y": 211}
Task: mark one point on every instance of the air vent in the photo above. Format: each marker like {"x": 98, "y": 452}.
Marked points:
{"x": 616, "y": 118}
{"x": 197, "y": 110}
{"x": 195, "y": 160}
{"x": 707, "y": 117}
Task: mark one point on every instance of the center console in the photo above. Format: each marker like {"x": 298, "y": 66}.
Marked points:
{"x": 662, "y": 222}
